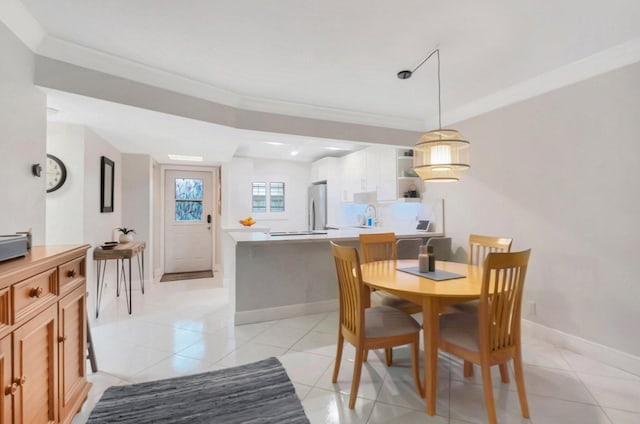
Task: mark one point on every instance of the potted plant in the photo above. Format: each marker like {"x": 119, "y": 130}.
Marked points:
{"x": 126, "y": 234}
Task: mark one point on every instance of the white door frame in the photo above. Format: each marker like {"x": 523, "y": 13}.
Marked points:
{"x": 214, "y": 216}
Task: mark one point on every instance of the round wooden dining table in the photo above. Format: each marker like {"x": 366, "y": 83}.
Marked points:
{"x": 433, "y": 295}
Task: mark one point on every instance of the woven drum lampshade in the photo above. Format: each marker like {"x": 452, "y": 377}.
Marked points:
{"x": 441, "y": 155}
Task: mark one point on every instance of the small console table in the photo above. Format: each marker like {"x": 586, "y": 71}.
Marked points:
{"x": 121, "y": 252}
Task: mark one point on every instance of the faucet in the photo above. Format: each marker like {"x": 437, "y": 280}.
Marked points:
{"x": 371, "y": 213}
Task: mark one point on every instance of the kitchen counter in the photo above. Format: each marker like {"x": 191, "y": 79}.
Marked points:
{"x": 344, "y": 234}
{"x": 277, "y": 277}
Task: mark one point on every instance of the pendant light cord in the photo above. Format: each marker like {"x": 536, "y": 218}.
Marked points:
{"x": 436, "y": 52}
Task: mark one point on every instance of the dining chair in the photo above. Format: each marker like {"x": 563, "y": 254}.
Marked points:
{"x": 441, "y": 247}
{"x": 365, "y": 328}
{"x": 408, "y": 248}
{"x": 492, "y": 336}
{"x": 383, "y": 247}
{"x": 479, "y": 247}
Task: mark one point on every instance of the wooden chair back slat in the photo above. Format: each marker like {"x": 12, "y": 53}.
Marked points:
{"x": 501, "y": 299}
{"x": 480, "y": 246}
{"x": 349, "y": 287}
{"x": 378, "y": 247}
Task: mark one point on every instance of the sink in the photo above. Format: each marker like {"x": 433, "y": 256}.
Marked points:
{"x": 296, "y": 233}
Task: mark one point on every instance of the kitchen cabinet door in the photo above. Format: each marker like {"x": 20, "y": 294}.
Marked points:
{"x": 35, "y": 369}
{"x": 8, "y": 386}
{"x": 72, "y": 348}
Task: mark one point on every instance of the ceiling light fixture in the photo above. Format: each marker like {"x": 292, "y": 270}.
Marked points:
{"x": 186, "y": 158}
{"x": 439, "y": 155}
{"x": 294, "y": 153}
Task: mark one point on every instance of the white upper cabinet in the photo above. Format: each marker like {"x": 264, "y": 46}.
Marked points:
{"x": 370, "y": 169}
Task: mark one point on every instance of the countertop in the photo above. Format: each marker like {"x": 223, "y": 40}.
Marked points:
{"x": 342, "y": 234}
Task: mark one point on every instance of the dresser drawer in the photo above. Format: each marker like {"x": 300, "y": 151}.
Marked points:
{"x": 29, "y": 295}
{"x": 70, "y": 273}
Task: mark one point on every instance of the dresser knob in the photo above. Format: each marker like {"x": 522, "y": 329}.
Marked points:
{"x": 11, "y": 390}
{"x": 71, "y": 273}
{"x": 21, "y": 381}
{"x": 36, "y": 292}
{"x": 62, "y": 339}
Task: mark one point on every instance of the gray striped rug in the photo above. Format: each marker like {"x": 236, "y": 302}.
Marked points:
{"x": 255, "y": 393}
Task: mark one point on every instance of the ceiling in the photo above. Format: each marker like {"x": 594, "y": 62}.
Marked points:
{"x": 334, "y": 59}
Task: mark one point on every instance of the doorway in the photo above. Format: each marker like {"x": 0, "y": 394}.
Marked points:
{"x": 188, "y": 221}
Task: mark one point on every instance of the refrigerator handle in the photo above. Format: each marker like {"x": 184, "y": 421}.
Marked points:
{"x": 312, "y": 216}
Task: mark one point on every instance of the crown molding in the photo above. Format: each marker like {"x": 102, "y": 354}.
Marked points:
{"x": 85, "y": 57}
{"x": 605, "y": 61}
{"x": 18, "y": 19}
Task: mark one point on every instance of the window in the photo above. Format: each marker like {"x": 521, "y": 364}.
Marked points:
{"x": 276, "y": 197}
{"x": 260, "y": 197}
{"x": 188, "y": 199}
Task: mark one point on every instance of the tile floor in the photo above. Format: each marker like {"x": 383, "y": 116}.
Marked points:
{"x": 186, "y": 327}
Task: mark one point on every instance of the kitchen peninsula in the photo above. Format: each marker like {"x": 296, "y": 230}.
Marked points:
{"x": 276, "y": 277}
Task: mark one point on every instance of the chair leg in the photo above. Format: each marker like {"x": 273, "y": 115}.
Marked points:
{"x": 468, "y": 369}
{"x": 488, "y": 393}
{"x": 522, "y": 394}
{"x": 415, "y": 355}
{"x": 388, "y": 356}
{"x": 336, "y": 367}
{"x": 504, "y": 372}
{"x": 357, "y": 371}
{"x": 366, "y": 355}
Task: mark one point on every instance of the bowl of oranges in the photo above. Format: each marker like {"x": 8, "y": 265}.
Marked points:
{"x": 248, "y": 221}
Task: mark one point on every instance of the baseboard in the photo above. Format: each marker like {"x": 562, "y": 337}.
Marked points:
{"x": 610, "y": 356}
{"x": 283, "y": 312}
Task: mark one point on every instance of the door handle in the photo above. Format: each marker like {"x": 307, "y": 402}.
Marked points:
{"x": 209, "y": 219}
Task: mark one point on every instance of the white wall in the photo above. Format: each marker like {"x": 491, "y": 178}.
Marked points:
{"x": 137, "y": 202}
{"x": 98, "y": 226}
{"x": 65, "y": 206}
{"x": 241, "y": 172}
{"x": 559, "y": 173}
{"x": 22, "y": 141}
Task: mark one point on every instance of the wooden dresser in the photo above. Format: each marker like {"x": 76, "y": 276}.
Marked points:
{"x": 43, "y": 335}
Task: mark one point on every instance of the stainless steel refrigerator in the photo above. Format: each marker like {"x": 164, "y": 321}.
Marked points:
{"x": 317, "y": 207}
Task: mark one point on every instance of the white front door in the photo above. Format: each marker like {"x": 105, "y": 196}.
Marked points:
{"x": 188, "y": 221}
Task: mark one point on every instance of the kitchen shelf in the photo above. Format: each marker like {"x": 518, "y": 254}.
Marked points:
{"x": 409, "y": 199}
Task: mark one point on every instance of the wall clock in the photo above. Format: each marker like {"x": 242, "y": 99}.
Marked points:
{"x": 56, "y": 173}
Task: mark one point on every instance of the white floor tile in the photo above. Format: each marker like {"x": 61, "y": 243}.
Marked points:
{"x": 548, "y": 410}
{"x": 617, "y": 393}
{"x": 467, "y": 405}
{"x": 371, "y": 378}
{"x": 319, "y": 343}
{"x": 555, "y": 383}
{"x": 328, "y": 324}
{"x": 391, "y": 414}
{"x": 303, "y": 322}
{"x": 326, "y": 407}
{"x": 211, "y": 348}
{"x": 622, "y": 417}
{"x": 302, "y": 390}
{"x": 583, "y": 364}
{"x": 173, "y": 366}
{"x": 398, "y": 388}
{"x": 305, "y": 368}
{"x": 543, "y": 355}
{"x": 280, "y": 336}
{"x": 250, "y": 352}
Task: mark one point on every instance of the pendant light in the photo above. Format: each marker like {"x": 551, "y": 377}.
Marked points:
{"x": 442, "y": 154}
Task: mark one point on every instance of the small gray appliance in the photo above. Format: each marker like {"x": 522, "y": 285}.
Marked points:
{"x": 12, "y": 246}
